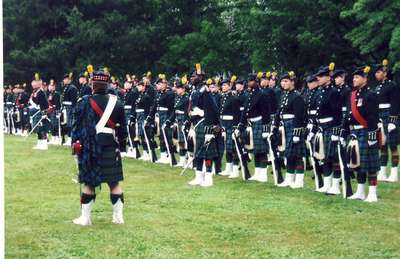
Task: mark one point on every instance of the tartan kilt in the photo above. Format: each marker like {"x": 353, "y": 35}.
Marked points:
{"x": 392, "y": 137}
{"x": 215, "y": 149}
{"x": 110, "y": 165}
{"x": 36, "y": 118}
{"x": 228, "y": 144}
{"x": 330, "y": 148}
{"x": 140, "y": 122}
{"x": 260, "y": 144}
{"x": 24, "y": 116}
{"x": 162, "y": 116}
{"x": 369, "y": 156}
{"x": 180, "y": 119}
{"x": 127, "y": 113}
{"x": 70, "y": 115}
{"x": 199, "y": 130}
{"x": 293, "y": 149}
{"x": 54, "y": 121}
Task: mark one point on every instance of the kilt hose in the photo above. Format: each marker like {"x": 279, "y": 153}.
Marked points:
{"x": 392, "y": 137}
{"x": 369, "y": 156}
{"x": 293, "y": 150}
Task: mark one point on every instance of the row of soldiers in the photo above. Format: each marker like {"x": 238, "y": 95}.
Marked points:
{"x": 45, "y": 109}
{"x": 333, "y": 128}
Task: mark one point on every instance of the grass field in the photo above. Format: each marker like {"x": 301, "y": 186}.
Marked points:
{"x": 166, "y": 218}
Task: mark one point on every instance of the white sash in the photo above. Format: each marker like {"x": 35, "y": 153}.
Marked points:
{"x": 101, "y": 125}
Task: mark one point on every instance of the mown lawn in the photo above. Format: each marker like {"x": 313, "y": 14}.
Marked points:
{"x": 166, "y": 218}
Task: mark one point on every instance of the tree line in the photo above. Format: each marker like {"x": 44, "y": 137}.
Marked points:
{"x": 170, "y": 36}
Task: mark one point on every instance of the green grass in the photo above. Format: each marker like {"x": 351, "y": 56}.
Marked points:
{"x": 166, "y": 218}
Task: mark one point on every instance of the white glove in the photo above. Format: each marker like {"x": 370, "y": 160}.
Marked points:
{"x": 310, "y": 136}
{"x": 334, "y": 138}
{"x": 309, "y": 126}
{"x": 44, "y": 117}
{"x": 191, "y": 133}
{"x": 296, "y": 139}
{"x": 236, "y": 132}
{"x": 380, "y": 125}
{"x": 198, "y": 111}
{"x": 208, "y": 138}
{"x": 371, "y": 143}
{"x": 391, "y": 127}
{"x": 264, "y": 135}
{"x": 342, "y": 141}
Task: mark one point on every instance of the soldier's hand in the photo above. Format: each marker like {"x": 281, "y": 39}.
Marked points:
{"x": 167, "y": 123}
{"x": 310, "y": 136}
{"x": 334, "y": 138}
{"x": 187, "y": 124}
{"x": 342, "y": 141}
{"x": 296, "y": 139}
{"x": 131, "y": 121}
{"x": 372, "y": 138}
{"x": 208, "y": 138}
{"x": 391, "y": 127}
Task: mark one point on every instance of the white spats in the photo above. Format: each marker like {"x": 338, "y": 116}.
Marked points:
{"x": 289, "y": 180}
{"x": 67, "y": 142}
{"x": 394, "y": 175}
{"x": 256, "y": 174}
{"x": 335, "y": 187}
{"x": 198, "y": 179}
{"x": 382, "y": 174}
{"x": 372, "y": 196}
{"x": 131, "y": 153}
{"x": 327, "y": 184}
{"x": 208, "y": 180}
{"x": 163, "y": 158}
{"x": 85, "y": 218}
{"x": 145, "y": 156}
{"x": 41, "y": 144}
{"x": 360, "y": 193}
{"x": 182, "y": 161}
{"x": 228, "y": 169}
{"x": 117, "y": 217}
{"x": 234, "y": 172}
{"x": 298, "y": 182}
{"x": 262, "y": 175}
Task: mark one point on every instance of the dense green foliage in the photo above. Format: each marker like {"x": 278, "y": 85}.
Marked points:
{"x": 239, "y": 36}
{"x": 166, "y": 218}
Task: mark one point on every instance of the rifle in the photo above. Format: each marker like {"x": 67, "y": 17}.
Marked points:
{"x": 243, "y": 156}
{"x": 308, "y": 144}
{"x": 272, "y": 155}
{"x": 167, "y": 144}
{"x": 148, "y": 144}
{"x": 205, "y": 146}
